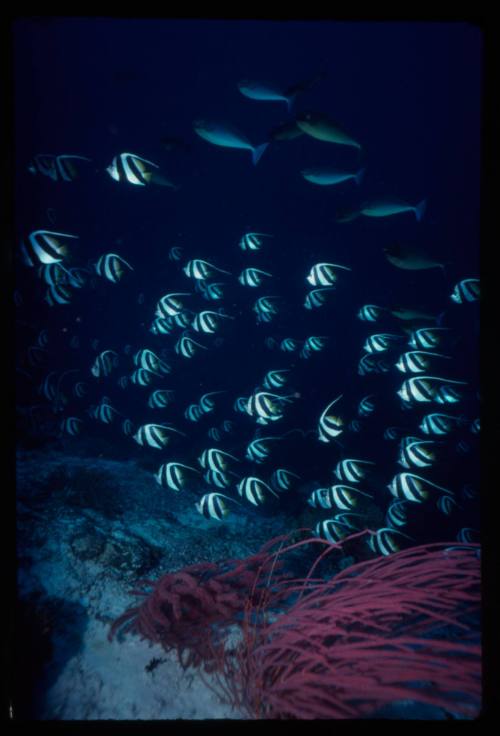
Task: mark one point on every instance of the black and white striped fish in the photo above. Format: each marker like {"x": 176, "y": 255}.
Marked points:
{"x": 175, "y": 253}
{"x": 160, "y": 398}
{"x": 392, "y": 433}
{"x": 208, "y": 321}
{"x": 423, "y": 388}
{"x": 289, "y": 345}
{"x": 129, "y": 167}
{"x": 215, "y": 459}
{"x": 446, "y": 503}
{"x": 265, "y": 308}
{"x": 320, "y": 498}
{"x": 213, "y": 505}
{"x": 426, "y": 337}
{"x": 448, "y": 394}
{"x": 48, "y": 386}
{"x": 370, "y": 313}
{"x": 44, "y": 246}
{"x": 218, "y": 478}
{"x": 439, "y": 424}
{"x": 211, "y": 292}
{"x": 411, "y": 487}
{"x": 275, "y": 378}
{"x": 332, "y": 530}
{"x": 169, "y": 305}
{"x": 154, "y": 435}
{"x": 315, "y": 342}
{"x": 184, "y": 318}
{"x": 416, "y": 361}
{"x": 396, "y": 514}
{"x": 193, "y": 413}
{"x": 323, "y": 274}
{"x": 252, "y": 277}
{"x": 351, "y": 470}
{"x": 380, "y": 342}
{"x": 253, "y": 489}
{"x": 104, "y": 363}
{"x": 80, "y": 389}
{"x": 281, "y": 479}
{"x": 187, "y": 347}
{"x": 172, "y": 475}
{"x": 369, "y": 363}
{"x": 366, "y": 406}
{"x": 146, "y": 358}
{"x": 71, "y": 426}
{"x": 317, "y": 297}
{"x": 142, "y": 377}
{"x": 345, "y": 497}
{"x": 266, "y": 405}
{"x": 468, "y": 535}
{"x": 127, "y": 427}
{"x": 240, "y": 404}
{"x": 467, "y": 290}
{"x": 199, "y": 269}
{"x": 58, "y": 294}
{"x": 253, "y": 241}
{"x": 206, "y": 403}
{"x": 104, "y": 412}
{"x": 45, "y": 164}
{"x": 110, "y": 266}
{"x": 258, "y": 450}
{"x": 329, "y": 426}
{"x": 383, "y": 541}
{"x": 161, "y": 326}
{"x": 416, "y": 453}
{"x": 214, "y": 434}
{"x": 66, "y": 168}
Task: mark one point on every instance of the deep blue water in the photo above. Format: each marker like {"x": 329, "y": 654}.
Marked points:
{"x": 410, "y": 92}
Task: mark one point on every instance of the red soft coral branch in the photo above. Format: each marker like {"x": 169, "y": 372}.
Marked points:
{"x": 381, "y": 630}
{"x": 365, "y": 638}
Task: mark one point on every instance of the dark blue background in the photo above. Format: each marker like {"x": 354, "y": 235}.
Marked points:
{"x": 410, "y": 92}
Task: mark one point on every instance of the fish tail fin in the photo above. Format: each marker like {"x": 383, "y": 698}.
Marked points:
{"x": 420, "y": 209}
{"x": 359, "y": 176}
{"x": 258, "y": 151}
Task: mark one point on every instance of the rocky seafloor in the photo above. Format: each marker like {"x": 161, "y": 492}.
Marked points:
{"x": 87, "y": 529}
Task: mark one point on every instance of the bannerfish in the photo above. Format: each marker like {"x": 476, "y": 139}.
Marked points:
{"x": 223, "y": 134}
{"x": 409, "y": 258}
{"x": 321, "y": 127}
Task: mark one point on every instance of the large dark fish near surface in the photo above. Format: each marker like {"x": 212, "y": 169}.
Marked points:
{"x": 171, "y": 143}
{"x": 409, "y": 258}
{"x": 323, "y": 128}
{"x": 286, "y": 131}
{"x": 407, "y": 313}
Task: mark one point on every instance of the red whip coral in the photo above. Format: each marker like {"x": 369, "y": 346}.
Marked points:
{"x": 188, "y": 610}
{"x": 383, "y": 630}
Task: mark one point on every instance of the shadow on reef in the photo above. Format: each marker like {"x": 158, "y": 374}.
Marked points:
{"x": 47, "y": 632}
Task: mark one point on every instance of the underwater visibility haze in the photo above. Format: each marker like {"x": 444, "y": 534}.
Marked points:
{"x": 247, "y": 369}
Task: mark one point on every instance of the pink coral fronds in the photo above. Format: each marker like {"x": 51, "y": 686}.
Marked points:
{"x": 393, "y": 628}
{"x": 189, "y": 610}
